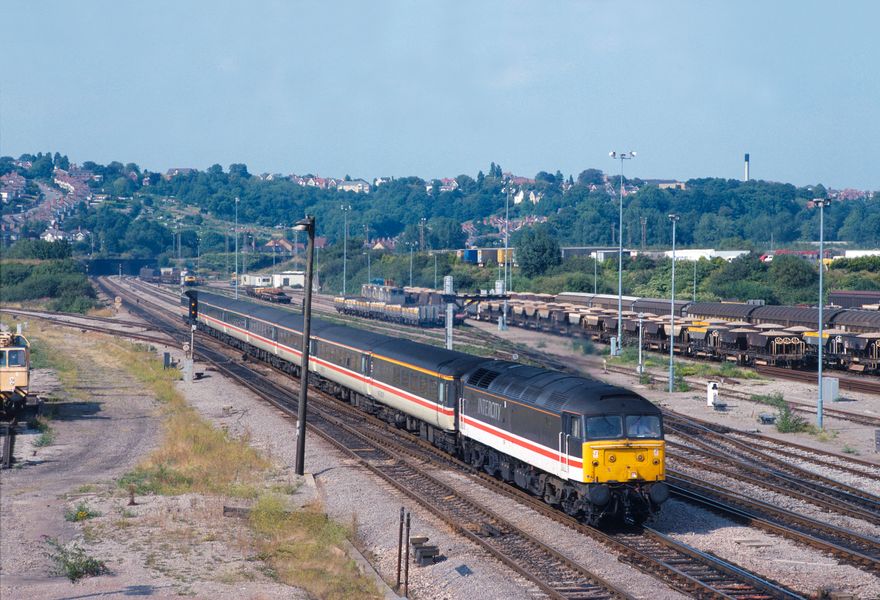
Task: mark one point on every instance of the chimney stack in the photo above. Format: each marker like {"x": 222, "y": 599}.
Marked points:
{"x": 747, "y": 167}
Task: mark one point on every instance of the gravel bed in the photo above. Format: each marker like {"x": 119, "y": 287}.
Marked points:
{"x": 583, "y": 549}
{"x": 779, "y": 500}
{"x": 867, "y": 483}
{"x": 798, "y": 567}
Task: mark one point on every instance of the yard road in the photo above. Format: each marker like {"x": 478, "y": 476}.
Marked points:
{"x": 102, "y": 426}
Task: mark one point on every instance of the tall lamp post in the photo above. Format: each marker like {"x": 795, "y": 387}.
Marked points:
{"x": 674, "y": 219}
{"x": 308, "y": 225}
{"x": 369, "y": 268}
{"x": 821, "y": 203}
{"x": 236, "y": 248}
{"x": 345, "y": 208}
{"x": 506, "y": 253}
{"x": 622, "y": 156}
{"x": 411, "y": 246}
{"x": 435, "y": 269}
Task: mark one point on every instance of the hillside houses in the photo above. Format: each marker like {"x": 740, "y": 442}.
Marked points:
{"x": 12, "y": 187}
{"x": 75, "y": 182}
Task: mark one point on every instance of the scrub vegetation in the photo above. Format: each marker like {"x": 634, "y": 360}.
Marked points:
{"x": 302, "y": 547}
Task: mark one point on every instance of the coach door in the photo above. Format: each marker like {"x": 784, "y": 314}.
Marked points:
{"x": 569, "y": 442}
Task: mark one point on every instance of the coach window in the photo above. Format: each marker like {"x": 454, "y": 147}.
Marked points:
{"x": 3, "y": 358}
{"x": 441, "y": 393}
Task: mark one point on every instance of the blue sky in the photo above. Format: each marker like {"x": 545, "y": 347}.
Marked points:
{"x": 442, "y": 88}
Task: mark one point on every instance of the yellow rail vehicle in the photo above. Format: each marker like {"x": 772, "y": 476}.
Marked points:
{"x": 14, "y": 372}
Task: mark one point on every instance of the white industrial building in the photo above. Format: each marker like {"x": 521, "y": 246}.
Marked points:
{"x": 707, "y": 253}
{"x": 860, "y": 253}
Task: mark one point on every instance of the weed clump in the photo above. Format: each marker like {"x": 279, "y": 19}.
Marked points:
{"x": 788, "y": 421}
{"x": 72, "y": 561}
{"x": 81, "y": 512}
{"x": 47, "y": 435}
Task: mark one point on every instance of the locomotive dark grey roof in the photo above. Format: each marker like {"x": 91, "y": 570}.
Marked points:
{"x": 556, "y": 392}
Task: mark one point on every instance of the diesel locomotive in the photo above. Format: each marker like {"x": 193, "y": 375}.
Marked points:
{"x": 595, "y": 451}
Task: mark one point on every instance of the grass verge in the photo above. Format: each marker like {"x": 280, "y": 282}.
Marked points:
{"x": 302, "y": 548}
{"x": 305, "y": 549}
{"x": 194, "y": 456}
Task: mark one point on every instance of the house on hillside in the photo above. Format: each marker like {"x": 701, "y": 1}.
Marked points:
{"x": 53, "y": 234}
{"x": 12, "y": 186}
{"x": 359, "y": 186}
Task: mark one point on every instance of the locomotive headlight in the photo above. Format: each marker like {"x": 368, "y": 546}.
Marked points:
{"x": 640, "y": 457}
{"x": 656, "y": 462}
{"x": 612, "y": 458}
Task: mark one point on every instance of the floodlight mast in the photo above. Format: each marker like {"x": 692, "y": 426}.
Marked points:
{"x": 621, "y": 156}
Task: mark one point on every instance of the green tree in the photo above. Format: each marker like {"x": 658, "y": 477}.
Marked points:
{"x": 537, "y": 250}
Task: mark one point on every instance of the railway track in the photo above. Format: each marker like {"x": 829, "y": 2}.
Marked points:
{"x": 865, "y": 386}
{"x": 737, "y": 459}
{"x": 851, "y": 547}
{"x": 799, "y": 407}
{"x": 683, "y": 567}
{"x": 65, "y": 320}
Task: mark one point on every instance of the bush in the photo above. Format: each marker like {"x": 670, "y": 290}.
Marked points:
{"x": 72, "y": 561}
{"x": 63, "y": 281}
